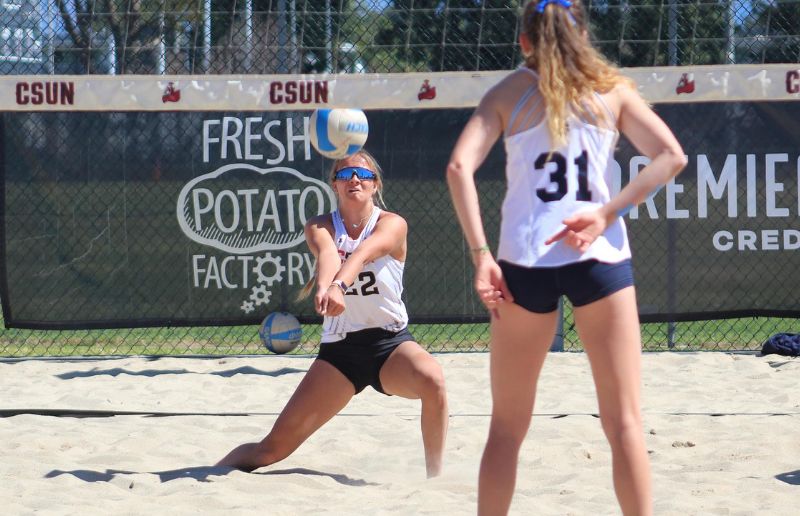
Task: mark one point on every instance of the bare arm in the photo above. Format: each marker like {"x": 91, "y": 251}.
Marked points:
{"x": 320, "y": 242}
{"x": 651, "y": 136}
{"x": 319, "y": 237}
{"x": 476, "y": 140}
{"x": 388, "y": 237}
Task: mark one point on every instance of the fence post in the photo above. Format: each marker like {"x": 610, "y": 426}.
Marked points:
{"x": 558, "y": 340}
{"x": 670, "y": 335}
{"x": 672, "y": 283}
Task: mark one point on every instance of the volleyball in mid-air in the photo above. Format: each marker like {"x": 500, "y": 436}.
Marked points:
{"x": 280, "y": 332}
{"x": 338, "y": 133}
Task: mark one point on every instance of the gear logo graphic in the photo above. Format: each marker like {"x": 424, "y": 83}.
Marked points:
{"x": 260, "y": 295}
{"x": 278, "y": 267}
{"x": 247, "y": 306}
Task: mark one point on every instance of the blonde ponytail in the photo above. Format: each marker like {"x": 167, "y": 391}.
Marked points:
{"x": 570, "y": 69}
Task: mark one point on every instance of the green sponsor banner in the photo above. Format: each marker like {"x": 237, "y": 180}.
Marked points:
{"x": 115, "y": 219}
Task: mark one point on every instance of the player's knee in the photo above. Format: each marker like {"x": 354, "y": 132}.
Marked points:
{"x": 508, "y": 431}
{"x": 430, "y": 381}
{"x": 622, "y": 429}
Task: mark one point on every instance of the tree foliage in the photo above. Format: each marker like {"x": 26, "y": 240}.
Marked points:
{"x": 136, "y": 26}
{"x": 307, "y": 36}
{"x": 771, "y": 34}
{"x": 482, "y": 34}
{"x": 451, "y": 34}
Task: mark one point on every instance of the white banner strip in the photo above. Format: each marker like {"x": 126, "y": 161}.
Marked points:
{"x": 728, "y": 83}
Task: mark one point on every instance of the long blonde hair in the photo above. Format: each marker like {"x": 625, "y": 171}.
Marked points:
{"x": 570, "y": 69}
{"x": 378, "y": 195}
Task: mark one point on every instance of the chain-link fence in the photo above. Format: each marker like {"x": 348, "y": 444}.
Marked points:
{"x": 316, "y": 36}
{"x": 722, "y": 335}
{"x": 291, "y": 36}
{"x": 91, "y": 236}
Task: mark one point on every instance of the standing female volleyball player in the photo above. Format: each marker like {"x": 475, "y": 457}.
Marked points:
{"x": 361, "y": 252}
{"x": 561, "y": 234}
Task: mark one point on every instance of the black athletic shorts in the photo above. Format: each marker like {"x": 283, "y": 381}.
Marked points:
{"x": 361, "y": 354}
{"x": 537, "y": 289}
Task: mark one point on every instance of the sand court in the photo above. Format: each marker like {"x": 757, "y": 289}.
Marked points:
{"x": 137, "y": 436}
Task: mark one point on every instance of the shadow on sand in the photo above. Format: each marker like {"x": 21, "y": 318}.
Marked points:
{"x": 790, "y": 477}
{"x": 158, "y": 372}
{"x": 200, "y": 474}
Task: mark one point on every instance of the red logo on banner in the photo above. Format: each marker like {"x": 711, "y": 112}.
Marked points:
{"x": 793, "y": 81}
{"x": 685, "y": 84}
{"x": 171, "y": 94}
{"x": 426, "y": 91}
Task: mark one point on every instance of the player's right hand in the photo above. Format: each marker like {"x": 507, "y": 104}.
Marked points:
{"x": 490, "y": 284}
{"x": 330, "y": 301}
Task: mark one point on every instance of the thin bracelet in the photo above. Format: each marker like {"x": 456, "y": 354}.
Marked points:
{"x": 482, "y": 249}
{"x": 339, "y": 283}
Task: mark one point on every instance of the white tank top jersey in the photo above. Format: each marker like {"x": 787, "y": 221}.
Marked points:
{"x": 542, "y": 190}
{"x": 374, "y": 299}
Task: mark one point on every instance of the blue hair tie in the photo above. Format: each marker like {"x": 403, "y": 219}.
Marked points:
{"x": 566, "y": 4}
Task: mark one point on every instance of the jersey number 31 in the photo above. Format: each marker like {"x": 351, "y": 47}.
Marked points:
{"x": 559, "y": 176}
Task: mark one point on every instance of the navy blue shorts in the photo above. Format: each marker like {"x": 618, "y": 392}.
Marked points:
{"x": 537, "y": 289}
{"x": 361, "y": 354}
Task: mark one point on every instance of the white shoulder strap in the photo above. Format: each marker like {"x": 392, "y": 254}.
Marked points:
{"x": 339, "y": 231}
{"x": 373, "y": 219}
{"x": 603, "y": 103}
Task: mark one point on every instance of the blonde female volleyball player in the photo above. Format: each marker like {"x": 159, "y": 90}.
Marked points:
{"x": 561, "y": 234}
{"x": 361, "y": 252}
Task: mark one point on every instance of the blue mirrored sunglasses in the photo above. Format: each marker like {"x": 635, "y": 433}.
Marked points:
{"x": 347, "y": 173}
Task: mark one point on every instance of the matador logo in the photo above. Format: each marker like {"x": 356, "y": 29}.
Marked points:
{"x": 426, "y": 91}
{"x": 171, "y": 94}
{"x": 685, "y": 84}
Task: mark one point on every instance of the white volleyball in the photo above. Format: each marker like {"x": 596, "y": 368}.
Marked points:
{"x": 338, "y": 133}
{"x": 280, "y": 332}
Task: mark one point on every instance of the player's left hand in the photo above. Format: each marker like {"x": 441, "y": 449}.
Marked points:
{"x": 581, "y": 230}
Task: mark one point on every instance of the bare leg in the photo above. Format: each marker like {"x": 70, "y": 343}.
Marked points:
{"x": 520, "y": 341}
{"x": 322, "y": 393}
{"x": 609, "y": 330}
{"x": 411, "y": 372}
